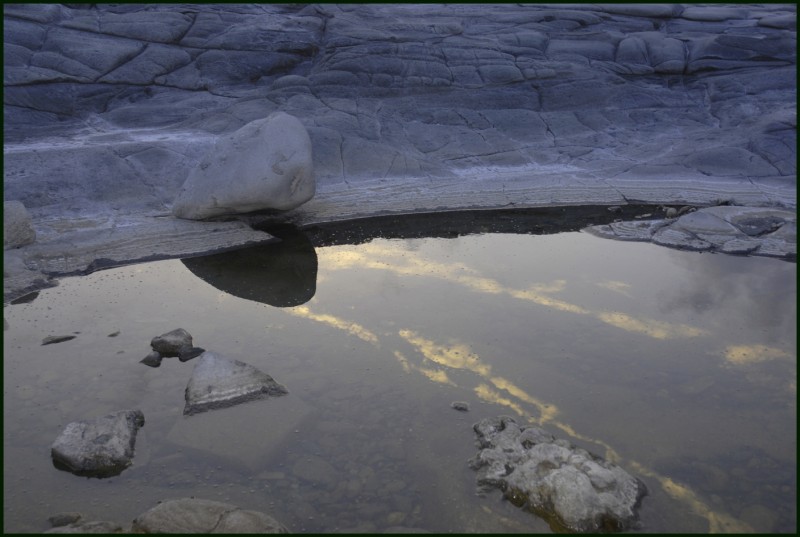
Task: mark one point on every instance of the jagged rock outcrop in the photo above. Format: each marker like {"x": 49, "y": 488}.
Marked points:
{"x": 572, "y": 489}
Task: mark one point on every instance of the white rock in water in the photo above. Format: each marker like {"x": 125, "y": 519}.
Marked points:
{"x": 218, "y": 382}
{"x": 264, "y": 165}
{"x": 102, "y": 447}
{"x": 568, "y": 486}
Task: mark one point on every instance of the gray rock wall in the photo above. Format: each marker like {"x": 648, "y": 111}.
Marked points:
{"x": 127, "y": 97}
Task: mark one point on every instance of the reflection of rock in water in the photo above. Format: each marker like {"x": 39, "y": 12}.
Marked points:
{"x": 281, "y": 274}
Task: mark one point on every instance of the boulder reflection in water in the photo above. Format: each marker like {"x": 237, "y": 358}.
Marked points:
{"x": 281, "y": 274}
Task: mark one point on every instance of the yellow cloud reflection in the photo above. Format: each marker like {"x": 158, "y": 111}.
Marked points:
{"x": 460, "y": 356}
{"x": 487, "y": 394}
{"x": 336, "y": 322}
{"x": 717, "y": 522}
{"x": 752, "y": 354}
{"x": 654, "y": 329}
{"x": 616, "y": 286}
{"x": 436, "y": 375}
{"x": 394, "y": 258}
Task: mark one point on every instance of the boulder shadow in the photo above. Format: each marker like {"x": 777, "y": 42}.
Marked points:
{"x": 282, "y": 274}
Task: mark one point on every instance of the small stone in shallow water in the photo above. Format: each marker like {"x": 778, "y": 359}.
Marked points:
{"x": 102, "y": 447}
{"x": 187, "y": 353}
{"x": 153, "y": 359}
{"x": 62, "y": 519}
{"x": 461, "y": 406}
{"x": 171, "y": 343}
{"x": 218, "y": 382}
{"x": 49, "y": 340}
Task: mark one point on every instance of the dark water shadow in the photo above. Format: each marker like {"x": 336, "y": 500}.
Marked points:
{"x": 281, "y": 274}
{"x": 451, "y": 224}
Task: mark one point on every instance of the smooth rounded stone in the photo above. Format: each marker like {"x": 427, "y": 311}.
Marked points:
{"x": 96, "y": 526}
{"x": 190, "y": 515}
{"x": 102, "y": 447}
{"x": 266, "y": 164}
{"x": 17, "y": 225}
{"x": 62, "y": 519}
{"x": 316, "y": 470}
{"x": 572, "y": 489}
{"x": 172, "y": 343}
{"x": 153, "y": 359}
{"x": 218, "y": 382}
{"x": 461, "y": 406}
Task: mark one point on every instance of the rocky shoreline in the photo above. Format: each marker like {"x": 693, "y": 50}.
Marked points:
{"x": 408, "y": 109}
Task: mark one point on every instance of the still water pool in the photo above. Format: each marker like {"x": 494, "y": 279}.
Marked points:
{"x": 680, "y": 366}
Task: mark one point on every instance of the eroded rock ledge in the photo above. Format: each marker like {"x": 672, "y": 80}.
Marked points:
{"x": 409, "y": 108}
{"x": 725, "y": 229}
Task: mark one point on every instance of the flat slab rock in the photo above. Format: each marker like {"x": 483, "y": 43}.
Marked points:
{"x": 727, "y": 229}
{"x": 218, "y": 382}
{"x": 572, "y": 489}
{"x": 102, "y": 447}
{"x": 190, "y": 515}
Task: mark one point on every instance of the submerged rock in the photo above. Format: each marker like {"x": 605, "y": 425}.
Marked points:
{"x": 95, "y": 526}
{"x": 153, "y": 359}
{"x": 98, "y": 448}
{"x": 190, "y": 515}
{"x": 569, "y": 487}
{"x": 218, "y": 382}
{"x": 264, "y": 165}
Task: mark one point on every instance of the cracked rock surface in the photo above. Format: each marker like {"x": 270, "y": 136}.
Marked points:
{"x": 409, "y": 108}
{"x": 569, "y": 487}
{"x": 727, "y": 229}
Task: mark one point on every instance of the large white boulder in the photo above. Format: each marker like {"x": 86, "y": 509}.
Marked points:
{"x": 264, "y": 165}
